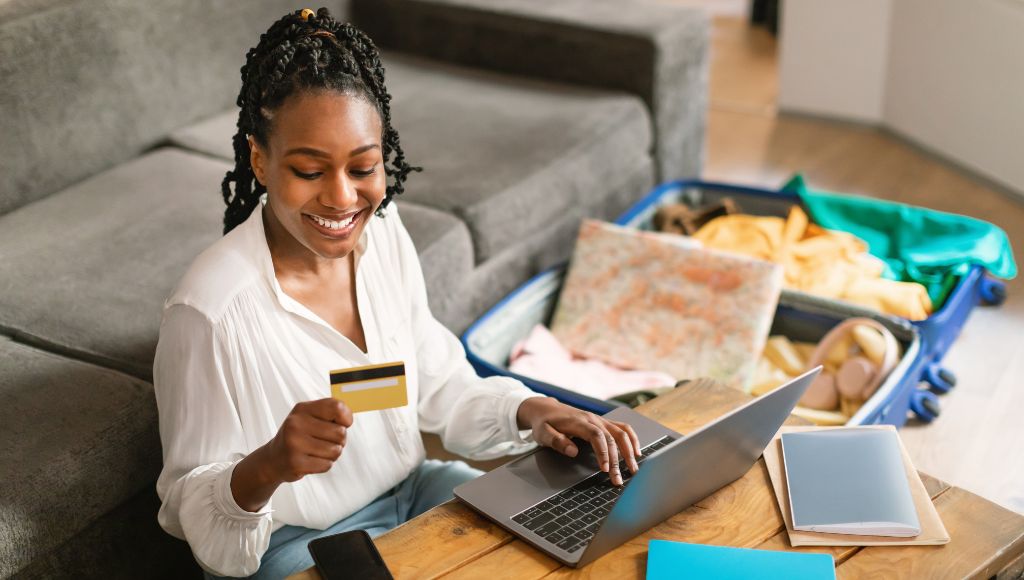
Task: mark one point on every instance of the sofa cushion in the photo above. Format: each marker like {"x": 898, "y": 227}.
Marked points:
{"x": 505, "y": 154}
{"x": 89, "y": 268}
{"x": 92, "y": 83}
{"x": 655, "y": 50}
{"x": 126, "y": 542}
{"x": 446, "y": 254}
{"x": 78, "y": 441}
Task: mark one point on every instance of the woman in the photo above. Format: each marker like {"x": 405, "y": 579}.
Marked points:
{"x": 315, "y": 276}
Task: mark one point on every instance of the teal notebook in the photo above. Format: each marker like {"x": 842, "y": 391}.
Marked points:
{"x": 677, "y": 560}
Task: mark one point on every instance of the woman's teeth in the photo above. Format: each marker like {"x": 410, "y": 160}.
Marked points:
{"x": 333, "y": 224}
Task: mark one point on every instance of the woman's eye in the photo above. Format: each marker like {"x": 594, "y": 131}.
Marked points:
{"x": 302, "y": 175}
{"x": 364, "y": 172}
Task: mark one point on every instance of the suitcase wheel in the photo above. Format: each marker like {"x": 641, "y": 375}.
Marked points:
{"x": 940, "y": 380}
{"x": 993, "y": 292}
{"x": 925, "y": 404}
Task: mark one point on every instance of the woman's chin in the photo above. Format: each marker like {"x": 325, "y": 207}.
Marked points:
{"x": 330, "y": 249}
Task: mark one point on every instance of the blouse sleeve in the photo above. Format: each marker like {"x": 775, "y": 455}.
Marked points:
{"x": 475, "y": 417}
{"x": 202, "y": 442}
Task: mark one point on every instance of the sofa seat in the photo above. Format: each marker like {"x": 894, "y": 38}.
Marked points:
{"x": 87, "y": 269}
{"x": 507, "y": 155}
{"x": 79, "y": 440}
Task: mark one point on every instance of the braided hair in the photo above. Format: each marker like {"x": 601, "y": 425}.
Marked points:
{"x": 301, "y": 52}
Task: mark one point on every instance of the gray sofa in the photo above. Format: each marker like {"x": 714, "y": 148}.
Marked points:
{"x": 116, "y": 119}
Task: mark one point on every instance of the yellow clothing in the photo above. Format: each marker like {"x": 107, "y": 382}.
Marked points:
{"x": 823, "y": 262}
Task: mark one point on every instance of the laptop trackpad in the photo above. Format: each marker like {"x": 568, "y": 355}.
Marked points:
{"x": 548, "y": 469}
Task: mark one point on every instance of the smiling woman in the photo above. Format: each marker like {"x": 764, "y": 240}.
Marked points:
{"x": 313, "y": 277}
{"x": 307, "y": 53}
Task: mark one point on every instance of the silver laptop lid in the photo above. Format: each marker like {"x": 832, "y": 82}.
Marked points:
{"x": 695, "y": 466}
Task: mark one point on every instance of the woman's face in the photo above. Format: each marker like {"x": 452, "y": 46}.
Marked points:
{"x": 323, "y": 170}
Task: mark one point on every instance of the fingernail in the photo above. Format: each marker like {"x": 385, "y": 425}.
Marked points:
{"x": 571, "y": 451}
{"x": 605, "y": 466}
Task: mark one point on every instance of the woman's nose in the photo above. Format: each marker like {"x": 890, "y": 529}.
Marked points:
{"x": 341, "y": 193}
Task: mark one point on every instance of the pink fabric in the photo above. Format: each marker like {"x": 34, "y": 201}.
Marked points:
{"x": 540, "y": 356}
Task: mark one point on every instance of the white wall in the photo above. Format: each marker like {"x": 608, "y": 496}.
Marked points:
{"x": 947, "y": 74}
{"x": 955, "y": 82}
{"x": 832, "y": 57}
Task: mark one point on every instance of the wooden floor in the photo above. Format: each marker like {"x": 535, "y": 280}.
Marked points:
{"x": 978, "y": 441}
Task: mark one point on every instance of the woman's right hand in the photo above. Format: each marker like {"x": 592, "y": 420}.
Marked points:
{"x": 310, "y": 439}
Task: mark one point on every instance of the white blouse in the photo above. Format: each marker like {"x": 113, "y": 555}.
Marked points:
{"x": 236, "y": 354}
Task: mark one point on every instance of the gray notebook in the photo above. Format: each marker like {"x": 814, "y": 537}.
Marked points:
{"x": 849, "y": 481}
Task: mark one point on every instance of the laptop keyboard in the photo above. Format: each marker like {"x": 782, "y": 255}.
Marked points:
{"x": 569, "y": 519}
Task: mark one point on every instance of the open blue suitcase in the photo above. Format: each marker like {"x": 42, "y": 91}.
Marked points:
{"x": 938, "y": 331}
{"x": 799, "y": 316}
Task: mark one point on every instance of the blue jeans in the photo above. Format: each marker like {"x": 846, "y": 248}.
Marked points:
{"x": 431, "y": 484}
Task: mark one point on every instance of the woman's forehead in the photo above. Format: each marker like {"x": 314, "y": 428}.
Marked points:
{"x": 329, "y": 120}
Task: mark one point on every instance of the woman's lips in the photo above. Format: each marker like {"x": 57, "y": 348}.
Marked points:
{"x": 335, "y": 234}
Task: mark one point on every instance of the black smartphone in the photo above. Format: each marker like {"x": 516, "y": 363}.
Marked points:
{"x": 348, "y": 555}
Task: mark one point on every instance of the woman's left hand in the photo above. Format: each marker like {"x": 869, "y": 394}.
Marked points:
{"x": 554, "y": 424}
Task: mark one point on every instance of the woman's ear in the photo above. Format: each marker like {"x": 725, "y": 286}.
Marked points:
{"x": 257, "y": 160}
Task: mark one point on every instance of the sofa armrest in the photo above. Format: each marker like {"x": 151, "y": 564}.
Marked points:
{"x": 658, "y": 52}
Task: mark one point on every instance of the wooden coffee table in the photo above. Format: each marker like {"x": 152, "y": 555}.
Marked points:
{"x": 452, "y": 541}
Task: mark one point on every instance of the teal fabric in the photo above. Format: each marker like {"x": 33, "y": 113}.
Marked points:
{"x": 920, "y": 245}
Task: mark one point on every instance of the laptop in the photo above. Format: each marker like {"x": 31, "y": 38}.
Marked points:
{"x": 568, "y": 509}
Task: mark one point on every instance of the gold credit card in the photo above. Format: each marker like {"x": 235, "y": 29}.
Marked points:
{"x": 371, "y": 388}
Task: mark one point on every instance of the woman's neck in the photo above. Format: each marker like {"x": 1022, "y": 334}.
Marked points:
{"x": 292, "y": 259}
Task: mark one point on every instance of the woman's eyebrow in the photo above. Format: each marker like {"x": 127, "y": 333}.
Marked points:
{"x": 307, "y": 151}
{"x": 363, "y": 149}
{"x": 318, "y": 153}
